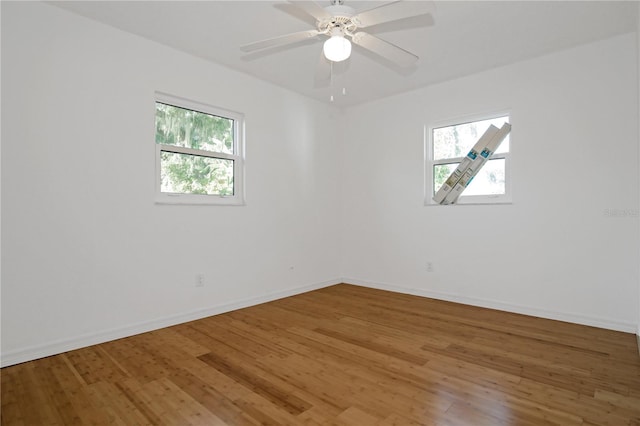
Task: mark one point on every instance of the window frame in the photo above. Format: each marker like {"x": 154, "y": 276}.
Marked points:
{"x": 237, "y": 198}
{"x": 506, "y": 198}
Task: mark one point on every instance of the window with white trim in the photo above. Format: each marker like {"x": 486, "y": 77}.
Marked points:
{"x": 198, "y": 153}
{"x": 446, "y": 146}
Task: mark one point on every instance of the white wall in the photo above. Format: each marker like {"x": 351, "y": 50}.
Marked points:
{"x": 86, "y": 254}
{"x": 554, "y": 252}
{"x": 638, "y": 75}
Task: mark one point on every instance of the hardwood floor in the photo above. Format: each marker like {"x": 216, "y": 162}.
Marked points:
{"x": 343, "y": 355}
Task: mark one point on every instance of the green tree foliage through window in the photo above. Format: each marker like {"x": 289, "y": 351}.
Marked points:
{"x": 188, "y": 172}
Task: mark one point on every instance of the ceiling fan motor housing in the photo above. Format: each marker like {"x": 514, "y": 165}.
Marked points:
{"x": 340, "y": 17}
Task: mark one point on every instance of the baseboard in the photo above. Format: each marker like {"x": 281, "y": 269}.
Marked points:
{"x": 60, "y": 346}
{"x": 501, "y": 306}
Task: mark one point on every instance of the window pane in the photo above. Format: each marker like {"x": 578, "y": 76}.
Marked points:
{"x": 456, "y": 141}
{"x": 193, "y": 129}
{"x": 489, "y": 180}
{"x": 441, "y": 173}
{"x": 192, "y": 174}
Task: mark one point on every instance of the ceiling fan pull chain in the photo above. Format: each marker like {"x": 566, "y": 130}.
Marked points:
{"x": 331, "y": 80}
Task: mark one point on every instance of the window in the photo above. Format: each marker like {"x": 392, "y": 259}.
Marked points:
{"x": 447, "y": 145}
{"x": 198, "y": 153}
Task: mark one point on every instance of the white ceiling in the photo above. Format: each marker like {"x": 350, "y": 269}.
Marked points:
{"x": 462, "y": 38}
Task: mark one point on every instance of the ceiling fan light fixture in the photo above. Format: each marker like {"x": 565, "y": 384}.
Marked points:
{"x": 337, "y": 48}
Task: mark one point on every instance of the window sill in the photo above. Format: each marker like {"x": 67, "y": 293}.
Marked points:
{"x": 478, "y": 203}
{"x": 198, "y": 200}
{"x": 474, "y": 200}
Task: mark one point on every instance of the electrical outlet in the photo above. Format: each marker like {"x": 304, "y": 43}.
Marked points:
{"x": 429, "y": 267}
{"x": 199, "y": 280}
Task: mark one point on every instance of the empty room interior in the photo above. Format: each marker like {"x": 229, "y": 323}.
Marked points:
{"x": 320, "y": 213}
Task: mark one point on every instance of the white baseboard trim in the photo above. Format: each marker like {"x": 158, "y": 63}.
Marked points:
{"x": 606, "y": 323}
{"x": 64, "y": 345}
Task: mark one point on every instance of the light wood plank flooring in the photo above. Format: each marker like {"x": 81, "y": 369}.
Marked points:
{"x": 343, "y": 355}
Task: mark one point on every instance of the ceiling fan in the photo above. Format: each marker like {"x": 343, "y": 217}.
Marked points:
{"x": 341, "y": 23}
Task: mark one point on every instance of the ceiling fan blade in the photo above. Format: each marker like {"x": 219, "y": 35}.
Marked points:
{"x": 322, "y": 75}
{"x": 327, "y": 72}
{"x": 393, "y": 12}
{"x": 279, "y": 41}
{"x": 313, "y": 9}
{"x": 385, "y": 49}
